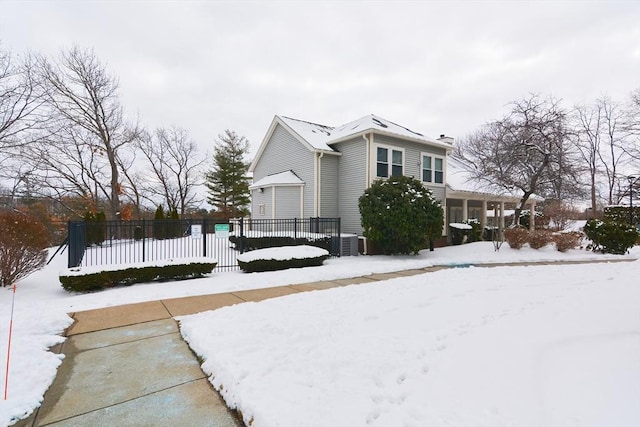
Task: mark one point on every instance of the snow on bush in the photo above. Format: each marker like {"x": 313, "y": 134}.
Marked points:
{"x": 281, "y": 258}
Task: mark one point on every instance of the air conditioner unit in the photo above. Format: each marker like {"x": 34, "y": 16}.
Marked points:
{"x": 348, "y": 245}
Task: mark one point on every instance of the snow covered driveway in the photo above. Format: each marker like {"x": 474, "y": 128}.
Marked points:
{"x": 516, "y": 346}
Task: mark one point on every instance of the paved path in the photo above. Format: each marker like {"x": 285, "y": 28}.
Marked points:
{"x": 128, "y": 365}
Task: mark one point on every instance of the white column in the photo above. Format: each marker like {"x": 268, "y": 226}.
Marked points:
{"x": 465, "y": 210}
{"x": 502, "y": 215}
{"x": 483, "y": 215}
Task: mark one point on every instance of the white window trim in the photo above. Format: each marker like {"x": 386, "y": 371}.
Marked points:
{"x": 433, "y": 169}
{"x": 390, "y": 149}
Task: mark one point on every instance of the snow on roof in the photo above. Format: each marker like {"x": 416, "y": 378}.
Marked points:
{"x": 315, "y": 134}
{"x": 321, "y": 137}
{"x": 280, "y": 178}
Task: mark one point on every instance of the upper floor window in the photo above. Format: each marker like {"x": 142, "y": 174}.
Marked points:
{"x": 432, "y": 169}
{"x": 389, "y": 160}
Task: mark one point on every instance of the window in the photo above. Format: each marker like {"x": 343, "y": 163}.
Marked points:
{"x": 387, "y": 157}
{"x": 432, "y": 169}
{"x": 426, "y": 169}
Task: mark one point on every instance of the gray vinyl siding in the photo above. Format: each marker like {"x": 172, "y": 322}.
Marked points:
{"x": 352, "y": 177}
{"x": 287, "y": 202}
{"x": 329, "y": 186}
{"x": 284, "y": 152}
{"x": 257, "y": 199}
{"x": 412, "y": 160}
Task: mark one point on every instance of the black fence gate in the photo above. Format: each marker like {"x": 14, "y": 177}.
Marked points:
{"x": 97, "y": 243}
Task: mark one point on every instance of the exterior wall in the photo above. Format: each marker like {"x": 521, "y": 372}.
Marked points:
{"x": 412, "y": 161}
{"x": 329, "y": 186}
{"x": 284, "y": 152}
{"x": 259, "y": 199}
{"x": 287, "y": 202}
{"x": 352, "y": 182}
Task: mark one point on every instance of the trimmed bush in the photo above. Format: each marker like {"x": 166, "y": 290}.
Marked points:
{"x": 566, "y": 241}
{"x": 460, "y": 233}
{"x": 23, "y": 243}
{"x": 540, "y": 238}
{"x": 609, "y": 237}
{"x": 77, "y": 281}
{"x": 476, "y": 230}
{"x": 620, "y": 214}
{"x": 255, "y": 243}
{"x": 516, "y": 237}
{"x": 281, "y": 258}
{"x": 400, "y": 215}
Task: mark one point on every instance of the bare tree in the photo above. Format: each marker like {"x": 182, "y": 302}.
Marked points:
{"x": 19, "y": 99}
{"x": 614, "y": 152}
{"x": 524, "y": 152}
{"x": 174, "y": 166}
{"x": 87, "y": 129}
{"x": 631, "y": 125}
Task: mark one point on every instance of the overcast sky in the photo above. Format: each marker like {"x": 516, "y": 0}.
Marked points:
{"x": 433, "y": 66}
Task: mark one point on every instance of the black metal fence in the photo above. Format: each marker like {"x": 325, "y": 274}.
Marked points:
{"x": 130, "y": 242}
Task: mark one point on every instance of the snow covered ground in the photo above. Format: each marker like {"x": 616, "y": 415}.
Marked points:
{"x": 501, "y": 346}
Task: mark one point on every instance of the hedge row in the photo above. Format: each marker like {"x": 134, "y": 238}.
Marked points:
{"x": 259, "y": 265}
{"x": 254, "y": 243}
{"x": 518, "y": 236}
{"x": 78, "y": 282}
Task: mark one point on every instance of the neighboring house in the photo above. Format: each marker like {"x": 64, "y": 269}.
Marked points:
{"x": 305, "y": 169}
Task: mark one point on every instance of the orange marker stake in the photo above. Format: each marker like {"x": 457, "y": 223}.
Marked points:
{"x": 6, "y": 376}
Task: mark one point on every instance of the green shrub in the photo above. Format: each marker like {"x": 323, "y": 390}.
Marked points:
{"x": 516, "y": 237}
{"x": 173, "y": 270}
{"x": 158, "y": 227}
{"x": 540, "y": 238}
{"x": 254, "y": 243}
{"x": 476, "y": 230}
{"x": 400, "y": 215}
{"x": 261, "y": 265}
{"x": 566, "y": 241}
{"x": 610, "y": 237}
{"x": 95, "y": 226}
{"x": 274, "y": 259}
{"x": 23, "y": 243}
{"x": 620, "y": 214}
{"x": 459, "y": 235}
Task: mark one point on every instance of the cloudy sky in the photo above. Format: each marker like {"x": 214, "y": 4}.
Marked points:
{"x": 433, "y": 66}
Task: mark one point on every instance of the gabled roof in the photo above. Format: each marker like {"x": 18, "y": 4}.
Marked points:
{"x": 278, "y": 179}
{"x": 322, "y": 136}
{"x": 315, "y": 134}
{"x": 319, "y": 138}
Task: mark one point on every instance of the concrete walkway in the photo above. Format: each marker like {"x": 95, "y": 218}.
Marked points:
{"x": 128, "y": 365}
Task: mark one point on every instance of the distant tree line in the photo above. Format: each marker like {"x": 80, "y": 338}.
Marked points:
{"x": 65, "y": 136}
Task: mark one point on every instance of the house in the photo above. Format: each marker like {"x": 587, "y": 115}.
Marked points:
{"x": 305, "y": 169}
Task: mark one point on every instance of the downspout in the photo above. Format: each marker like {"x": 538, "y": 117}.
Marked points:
{"x": 367, "y": 176}
{"x": 319, "y": 185}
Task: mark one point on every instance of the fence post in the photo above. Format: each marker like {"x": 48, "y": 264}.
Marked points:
{"x": 295, "y": 228}
{"x": 241, "y": 240}
{"x": 204, "y": 237}
{"x": 144, "y": 240}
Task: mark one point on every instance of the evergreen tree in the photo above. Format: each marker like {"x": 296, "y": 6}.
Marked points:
{"x": 401, "y": 215}
{"x": 227, "y": 182}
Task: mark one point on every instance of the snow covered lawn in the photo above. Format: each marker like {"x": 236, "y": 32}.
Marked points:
{"x": 509, "y": 346}
{"x": 41, "y": 307}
